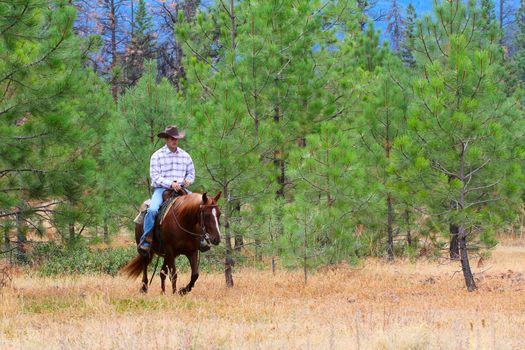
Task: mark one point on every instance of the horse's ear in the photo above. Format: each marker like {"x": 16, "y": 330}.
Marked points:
{"x": 218, "y": 196}
{"x": 204, "y": 198}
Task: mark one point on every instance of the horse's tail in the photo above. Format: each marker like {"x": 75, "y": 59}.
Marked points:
{"x": 135, "y": 267}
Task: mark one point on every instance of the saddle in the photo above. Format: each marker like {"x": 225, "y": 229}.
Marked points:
{"x": 170, "y": 197}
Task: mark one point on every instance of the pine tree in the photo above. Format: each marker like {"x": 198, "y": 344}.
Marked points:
{"x": 265, "y": 56}
{"x": 144, "y": 111}
{"x": 366, "y": 12}
{"x": 331, "y": 192}
{"x": 43, "y": 129}
{"x": 488, "y": 14}
{"x": 463, "y": 125}
{"x": 225, "y": 155}
{"x": 395, "y": 25}
{"x": 111, "y": 16}
{"x": 507, "y": 11}
{"x": 409, "y": 34}
{"x": 382, "y": 122}
{"x": 170, "y": 50}
{"x": 226, "y": 151}
{"x": 367, "y": 51}
{"x": 518, "y": 60}
{"x": 141, "y": 47}
{"x": 334, "y": 198}
{"x": 94, "y": 110}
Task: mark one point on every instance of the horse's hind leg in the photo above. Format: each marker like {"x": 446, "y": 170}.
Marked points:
{"x": 144, "y": 288}
{"x": 194, "y": 263}
{"x": 163, "y": 274}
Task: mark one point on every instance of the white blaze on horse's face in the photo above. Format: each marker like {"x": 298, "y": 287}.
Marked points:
{"x": 214, "y": 212}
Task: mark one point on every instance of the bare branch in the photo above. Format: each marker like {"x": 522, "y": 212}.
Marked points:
{"x": 482, "y": 202}
{"x": 482, "y": 187}
{"x": 478, "y": 168}
{"x": 442, "y": 169}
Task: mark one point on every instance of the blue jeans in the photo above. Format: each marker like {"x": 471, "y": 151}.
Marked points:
{"x": 151, "y": 214}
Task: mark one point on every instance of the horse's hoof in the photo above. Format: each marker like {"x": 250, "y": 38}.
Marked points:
{"x": 183, "y": 291}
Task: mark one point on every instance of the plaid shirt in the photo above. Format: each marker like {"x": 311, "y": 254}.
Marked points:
{"x": 166, "y": 167}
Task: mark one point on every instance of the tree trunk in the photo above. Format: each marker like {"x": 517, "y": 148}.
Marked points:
{"x": 454, "y": 231}
{"x": 114, "y": 57}
{"x": 272, "y": 240}
{"x": 234, "y": 25}
{"x": 465, "y": 265}
{"x": 21, "y": 239}
{"x": 501, "y": 14}
{"x": 281, "y": 197}
{"x": 132, "y": 13}
{"x": 454, "y": 242}
{"x": 305, "y": 266}
{"x": 255, "y": 88}
{"x": 279, "y": 161}
{"x": 390, "y": 210}
{"x": 7, "y": 242}
{"x": 71, "y": 227}
{"x": 239, "y": 242}
{"x": 258, "y": 254}
{"x": 228, "y": 263}
{"x": 409, "y": 233}
{"x": 390, "y": 229}
{"x": 106, "y": 229}
{"x": 180, "y": 72}
{"x": 228, "y": 260}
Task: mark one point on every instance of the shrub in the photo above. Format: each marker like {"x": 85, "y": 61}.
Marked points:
{"x": 51, "y": 259}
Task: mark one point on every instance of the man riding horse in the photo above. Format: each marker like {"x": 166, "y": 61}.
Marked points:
{"x": 170, "y": 168}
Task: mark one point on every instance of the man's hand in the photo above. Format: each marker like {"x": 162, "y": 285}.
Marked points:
{"x": 175, "y": 185}
{"x": 186, "y": 183}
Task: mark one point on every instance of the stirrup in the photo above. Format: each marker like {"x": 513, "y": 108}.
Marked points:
{"x": 144, "y": 250}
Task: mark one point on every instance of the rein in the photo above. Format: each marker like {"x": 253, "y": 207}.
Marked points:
{"x": 155, "y": 270}
{"x": 203, "y": 233}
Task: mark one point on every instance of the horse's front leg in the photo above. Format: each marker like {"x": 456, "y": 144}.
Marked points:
{"x": 163, "y": 274}
{"x": 172, "y": 272}
{"x": 194, "y": 263}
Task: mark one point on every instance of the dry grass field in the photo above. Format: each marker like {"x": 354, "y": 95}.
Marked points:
{"x": 375, "y": 306}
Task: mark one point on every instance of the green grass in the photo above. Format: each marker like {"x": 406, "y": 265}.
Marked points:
{"x": 49, "y": 305}
{"x": 132, "y": 305}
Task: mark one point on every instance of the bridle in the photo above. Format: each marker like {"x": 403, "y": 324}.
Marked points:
{"x": 203, "y": 233}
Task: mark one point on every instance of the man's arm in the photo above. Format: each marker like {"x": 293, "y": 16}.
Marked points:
{"x": 156, "y": 174}
{"x": 189, "y": 177}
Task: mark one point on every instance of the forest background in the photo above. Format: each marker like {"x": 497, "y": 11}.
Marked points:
{"x": 330, "y": 141}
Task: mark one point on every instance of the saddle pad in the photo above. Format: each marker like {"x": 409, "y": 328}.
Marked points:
{"x": 166, "y": 207}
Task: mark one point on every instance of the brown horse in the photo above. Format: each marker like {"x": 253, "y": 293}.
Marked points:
{"x": 189, "y": 218}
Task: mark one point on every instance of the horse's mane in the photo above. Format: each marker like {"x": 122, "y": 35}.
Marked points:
{"x": 189, "y": 205}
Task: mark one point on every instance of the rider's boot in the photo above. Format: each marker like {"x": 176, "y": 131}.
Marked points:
{"x": 144, "y": 247}
{"x": 204, "y": 246}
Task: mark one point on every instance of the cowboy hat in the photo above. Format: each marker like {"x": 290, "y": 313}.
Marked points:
{"x": 172, "y": 131}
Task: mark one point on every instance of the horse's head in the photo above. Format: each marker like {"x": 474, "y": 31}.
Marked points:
{"x": 210, "y": 215}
